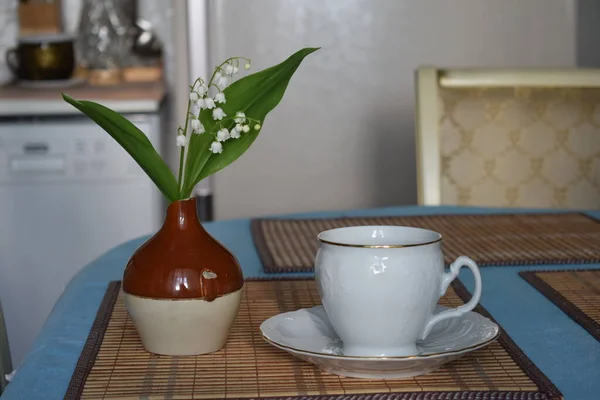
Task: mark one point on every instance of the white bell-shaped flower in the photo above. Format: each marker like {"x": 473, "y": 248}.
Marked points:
{"x": 201, "y": 103}
{"x": 201, "y": 89}
{"x": 235, "y": 132}
{"x": 209, "y": 103}
{"x": 228, "y": 69}
{"x": 246, "y": 128}
{"x": 221, "y": 82}
{"x": 181, "y": 141}
{"x": 194, "y": 96}
{"x": 222, "y": 135}
{"x": 216, "y": 147}
{"x": 218, "y": 114}
{"x": 240, "y": 117}
{"x": 220, "y": 98}
{"x": 197, "y": 126}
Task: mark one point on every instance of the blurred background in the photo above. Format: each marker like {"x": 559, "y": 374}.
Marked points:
{"x": 342, "y": 138}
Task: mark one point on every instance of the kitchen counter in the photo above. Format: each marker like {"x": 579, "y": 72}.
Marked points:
{"x": 124, "y": 98}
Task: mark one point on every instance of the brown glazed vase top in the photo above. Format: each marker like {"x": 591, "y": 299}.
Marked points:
{"x": 182, "y": 261}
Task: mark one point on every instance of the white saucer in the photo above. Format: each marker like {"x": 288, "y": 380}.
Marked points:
{"x": 308, "y": 334}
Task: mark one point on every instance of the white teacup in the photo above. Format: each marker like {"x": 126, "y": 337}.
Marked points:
{"x": 380, "y": 285}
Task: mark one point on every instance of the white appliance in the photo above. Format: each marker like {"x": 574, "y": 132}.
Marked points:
{"x": 68, "y": 193}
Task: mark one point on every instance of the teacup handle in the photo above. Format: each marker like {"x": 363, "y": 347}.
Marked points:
{"x": 455, "y": 267}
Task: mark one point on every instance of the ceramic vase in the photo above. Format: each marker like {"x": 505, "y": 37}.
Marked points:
{"x": 182, "y": 288}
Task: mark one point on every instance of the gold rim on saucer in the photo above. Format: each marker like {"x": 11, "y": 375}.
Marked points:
{"x": 424, "y": 356}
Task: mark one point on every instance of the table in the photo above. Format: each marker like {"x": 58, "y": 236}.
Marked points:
{"x": 563, "y": 350}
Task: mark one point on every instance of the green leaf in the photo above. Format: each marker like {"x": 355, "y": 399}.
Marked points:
{"x": 133, "y": 141}
{"x": 255, "y": 95}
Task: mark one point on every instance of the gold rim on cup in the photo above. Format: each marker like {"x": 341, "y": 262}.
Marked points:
{"x": 380, "y": 246}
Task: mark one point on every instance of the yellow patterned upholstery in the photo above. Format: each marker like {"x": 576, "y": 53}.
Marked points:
{"x": 519, "y": 147}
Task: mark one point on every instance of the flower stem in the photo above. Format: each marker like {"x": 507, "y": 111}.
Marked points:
{"x": 180, "y": 166}
{"x": 233, "y": 119}
{"x": 181, "y": 153}
{"x": 218, "y": 68}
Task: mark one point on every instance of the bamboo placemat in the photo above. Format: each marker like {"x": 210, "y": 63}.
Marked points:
{"x": 113, "y": 363}
{"x": 576, "y": 292}
{"x": 290, "y": 245}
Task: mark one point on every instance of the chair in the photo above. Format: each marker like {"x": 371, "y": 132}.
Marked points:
{"x": 5, "y": 365}
{"x": 508, "y": 138}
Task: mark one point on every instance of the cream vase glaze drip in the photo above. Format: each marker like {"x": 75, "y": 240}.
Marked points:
{"x": 380, "y": 285}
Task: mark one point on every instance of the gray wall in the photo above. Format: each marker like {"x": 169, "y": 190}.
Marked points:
{"x": 588, "y": 33}
{"x": 343, "y": 136}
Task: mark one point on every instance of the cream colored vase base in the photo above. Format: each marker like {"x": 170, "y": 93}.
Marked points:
{"x": 183, "y": 327}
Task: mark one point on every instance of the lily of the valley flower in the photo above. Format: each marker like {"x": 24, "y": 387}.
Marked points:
{"x": 221, "y": 81}
{"x": 201, "y": 89}
{"x": 222, "y": 135}
{"x": 216, "y": 147}
{"x": 229, "y": 69}
{"x": 195, "y": 123}
{"x": 220, "y": 97}
{"x": 235, "y": 132}
{"x": 240, "y": 117}
{"x": 201, "y": 99}
{"x": 218, "y": 114}
{"x": 181, "y": 141}
{"x": 209, "y": 103}
{"x": 208, "y": 130}
{"x": 197, "y": 126}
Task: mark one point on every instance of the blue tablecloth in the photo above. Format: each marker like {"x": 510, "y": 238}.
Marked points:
{"x": 563, "y": 350}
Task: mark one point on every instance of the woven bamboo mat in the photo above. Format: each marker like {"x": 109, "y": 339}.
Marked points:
{"x": 576, "y": 292}
{"x": 290, "y": 245}
{"x": 114, "y": 365}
